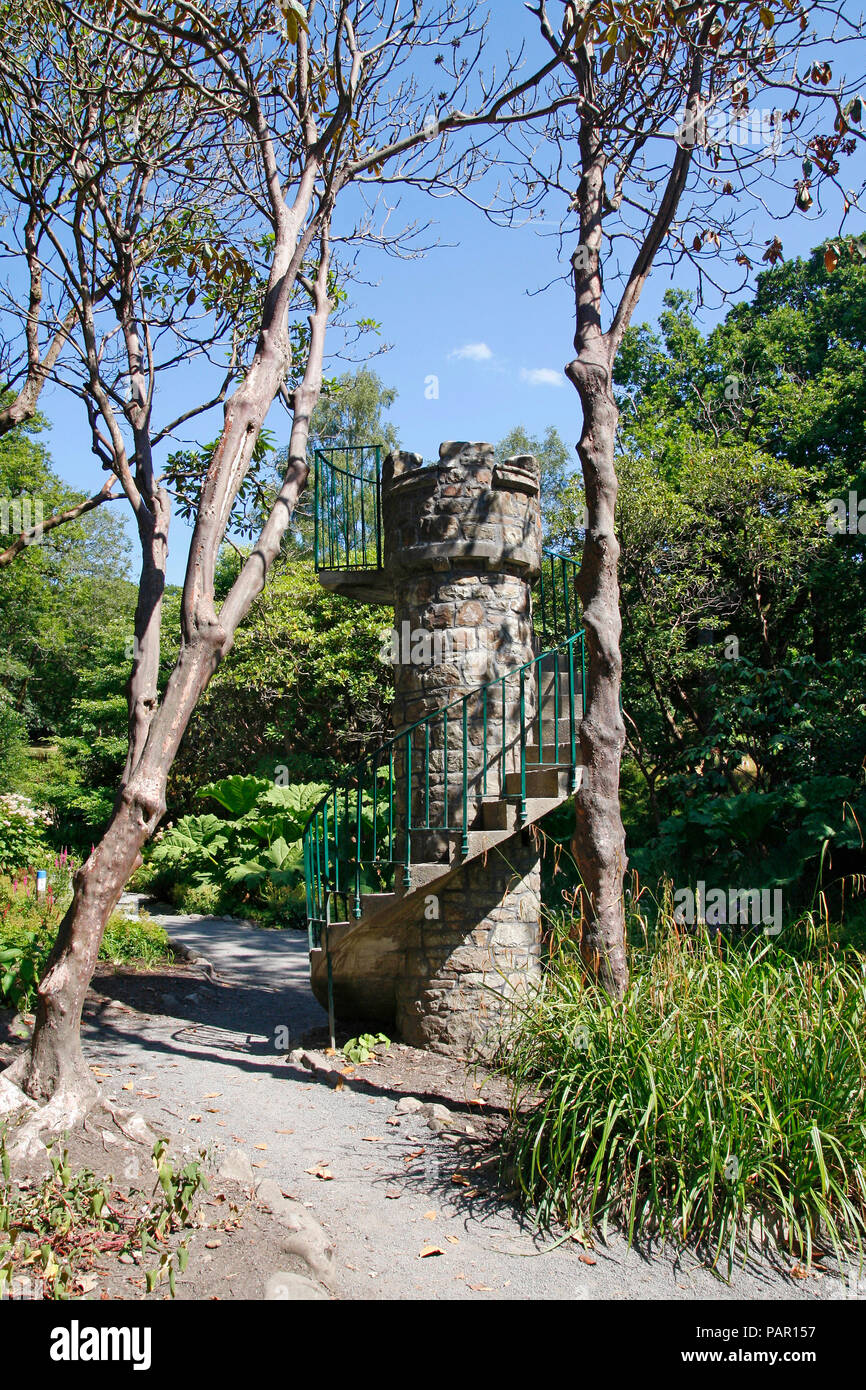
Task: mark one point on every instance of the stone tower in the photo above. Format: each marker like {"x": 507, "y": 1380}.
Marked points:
{"x": 441, "y": 954}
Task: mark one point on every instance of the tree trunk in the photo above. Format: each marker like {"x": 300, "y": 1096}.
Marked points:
{"x": 55, "y": 1063}
{"x": 55, "y": 1066}
{"x": 599, "y": 843}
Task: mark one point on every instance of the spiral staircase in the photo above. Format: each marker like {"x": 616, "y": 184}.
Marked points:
{"x": 378, "y": 844}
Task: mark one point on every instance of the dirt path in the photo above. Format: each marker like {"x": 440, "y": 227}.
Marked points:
{"x": 209, "y": 1061}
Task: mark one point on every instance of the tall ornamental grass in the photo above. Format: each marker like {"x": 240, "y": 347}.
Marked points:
{"x": 723, "y": 1099}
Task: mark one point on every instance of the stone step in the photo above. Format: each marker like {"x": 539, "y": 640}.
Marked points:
{"x": 550, "y": 755}
{"x": 547, "y": 684}
{"x": 551, "y": 728}
{"x": 373, "y": 903}
{"x": 540, "y": 782}
{"x": 504, "y": 816}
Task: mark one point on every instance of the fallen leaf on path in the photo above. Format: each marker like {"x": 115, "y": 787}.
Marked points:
{"x": 430, "y": 1215}
{"x": 321, "y": 1171}
{"x": 453, "y": 1240}
{"x": 260, "y": 1146}
{"x": 128, "y": 1086}
{"x": 480, "y": 1288}
{"x": 393, "y": 1196}
{"x": 197, "y": 1118}
{"x": 372, "y": 1139}
{"x": 586, "y": 1259}
{"x": 284, "y": 1131}
{"x": 211, "y": 1095}
{"x": 460, "y": 1180}
{"x": 430, "y": 1250}
{"x": 258, "y": 1165}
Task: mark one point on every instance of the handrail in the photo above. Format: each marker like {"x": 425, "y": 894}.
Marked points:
{"x": 351, "y": 839}
{"x": 343, "y": 845}
{"x": 347, "y": 523}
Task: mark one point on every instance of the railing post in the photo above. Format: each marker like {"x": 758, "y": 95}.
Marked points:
{"x": 445, "y": 756}
{"x": 330, "y": 969}
{"x": 523, "y": 744}
{"x": 378, "y": 507}
{"x": 427, "y": 774}
{"x": 465, "y": 844}
{"x": 358, "y": 852}
{"x": 484, "y": 744}
{"x": 316, "y": 509}
{"x": 571, "y": 728}
{"x": 308, "y": 877}
{"x": 325, "y": 842}
{"x": 555, "y": 708}
{"x": 502, "y": 770}
{"x": 318, "y": 870}
{"x": 391, "y": 804}
{"x": 336, "y": 842}
{"x": 407, "y": 866}
{"x": 375, "y": 856}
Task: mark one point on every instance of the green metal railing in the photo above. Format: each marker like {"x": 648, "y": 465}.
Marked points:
{"x": 557, "y": 611}
{"x": 361, "y": 836}
{"x": 347, "y": 514}
{"x": 347, "y": 507}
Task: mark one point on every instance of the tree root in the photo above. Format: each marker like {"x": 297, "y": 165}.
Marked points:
{"x": 29, "y": 1126}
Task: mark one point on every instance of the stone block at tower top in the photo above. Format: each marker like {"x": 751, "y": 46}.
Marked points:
{"x": 466, "y": 510}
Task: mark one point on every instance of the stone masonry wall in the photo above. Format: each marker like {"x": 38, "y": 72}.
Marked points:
{"x": 461, "y": 967}
{"x": 462, "y": 542}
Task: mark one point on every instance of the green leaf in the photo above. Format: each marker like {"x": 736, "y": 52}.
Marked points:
{"x": 237, "y": 794}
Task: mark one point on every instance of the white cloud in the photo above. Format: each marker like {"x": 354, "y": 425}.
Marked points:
{"x": 472, "y": 352}
{"x": 541, "y": 376}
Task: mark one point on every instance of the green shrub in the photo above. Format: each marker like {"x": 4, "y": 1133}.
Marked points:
{"x": 134, "y": 940}
{"x": 208, "y": 899}
{"x": 248, "y": 858}
{"x": 29, "y": 924}
{"x": 727, "y": 1088}
{"x": 23, "y": 837}
{"x": 13, "y": 739}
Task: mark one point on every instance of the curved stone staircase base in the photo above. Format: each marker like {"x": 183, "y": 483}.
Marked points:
{"x": 446, "y": 968}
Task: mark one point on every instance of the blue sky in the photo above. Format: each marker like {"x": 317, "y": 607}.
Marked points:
{"x": 468, "y": 313}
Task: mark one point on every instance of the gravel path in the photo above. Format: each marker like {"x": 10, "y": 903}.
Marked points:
{"x": 212, "y": 1068}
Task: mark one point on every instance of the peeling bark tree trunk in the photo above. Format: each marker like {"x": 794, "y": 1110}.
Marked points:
{"x": 54, "y": 1067}
{"x": 599, "y": 844}
{"x": 55, "y": 1064}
